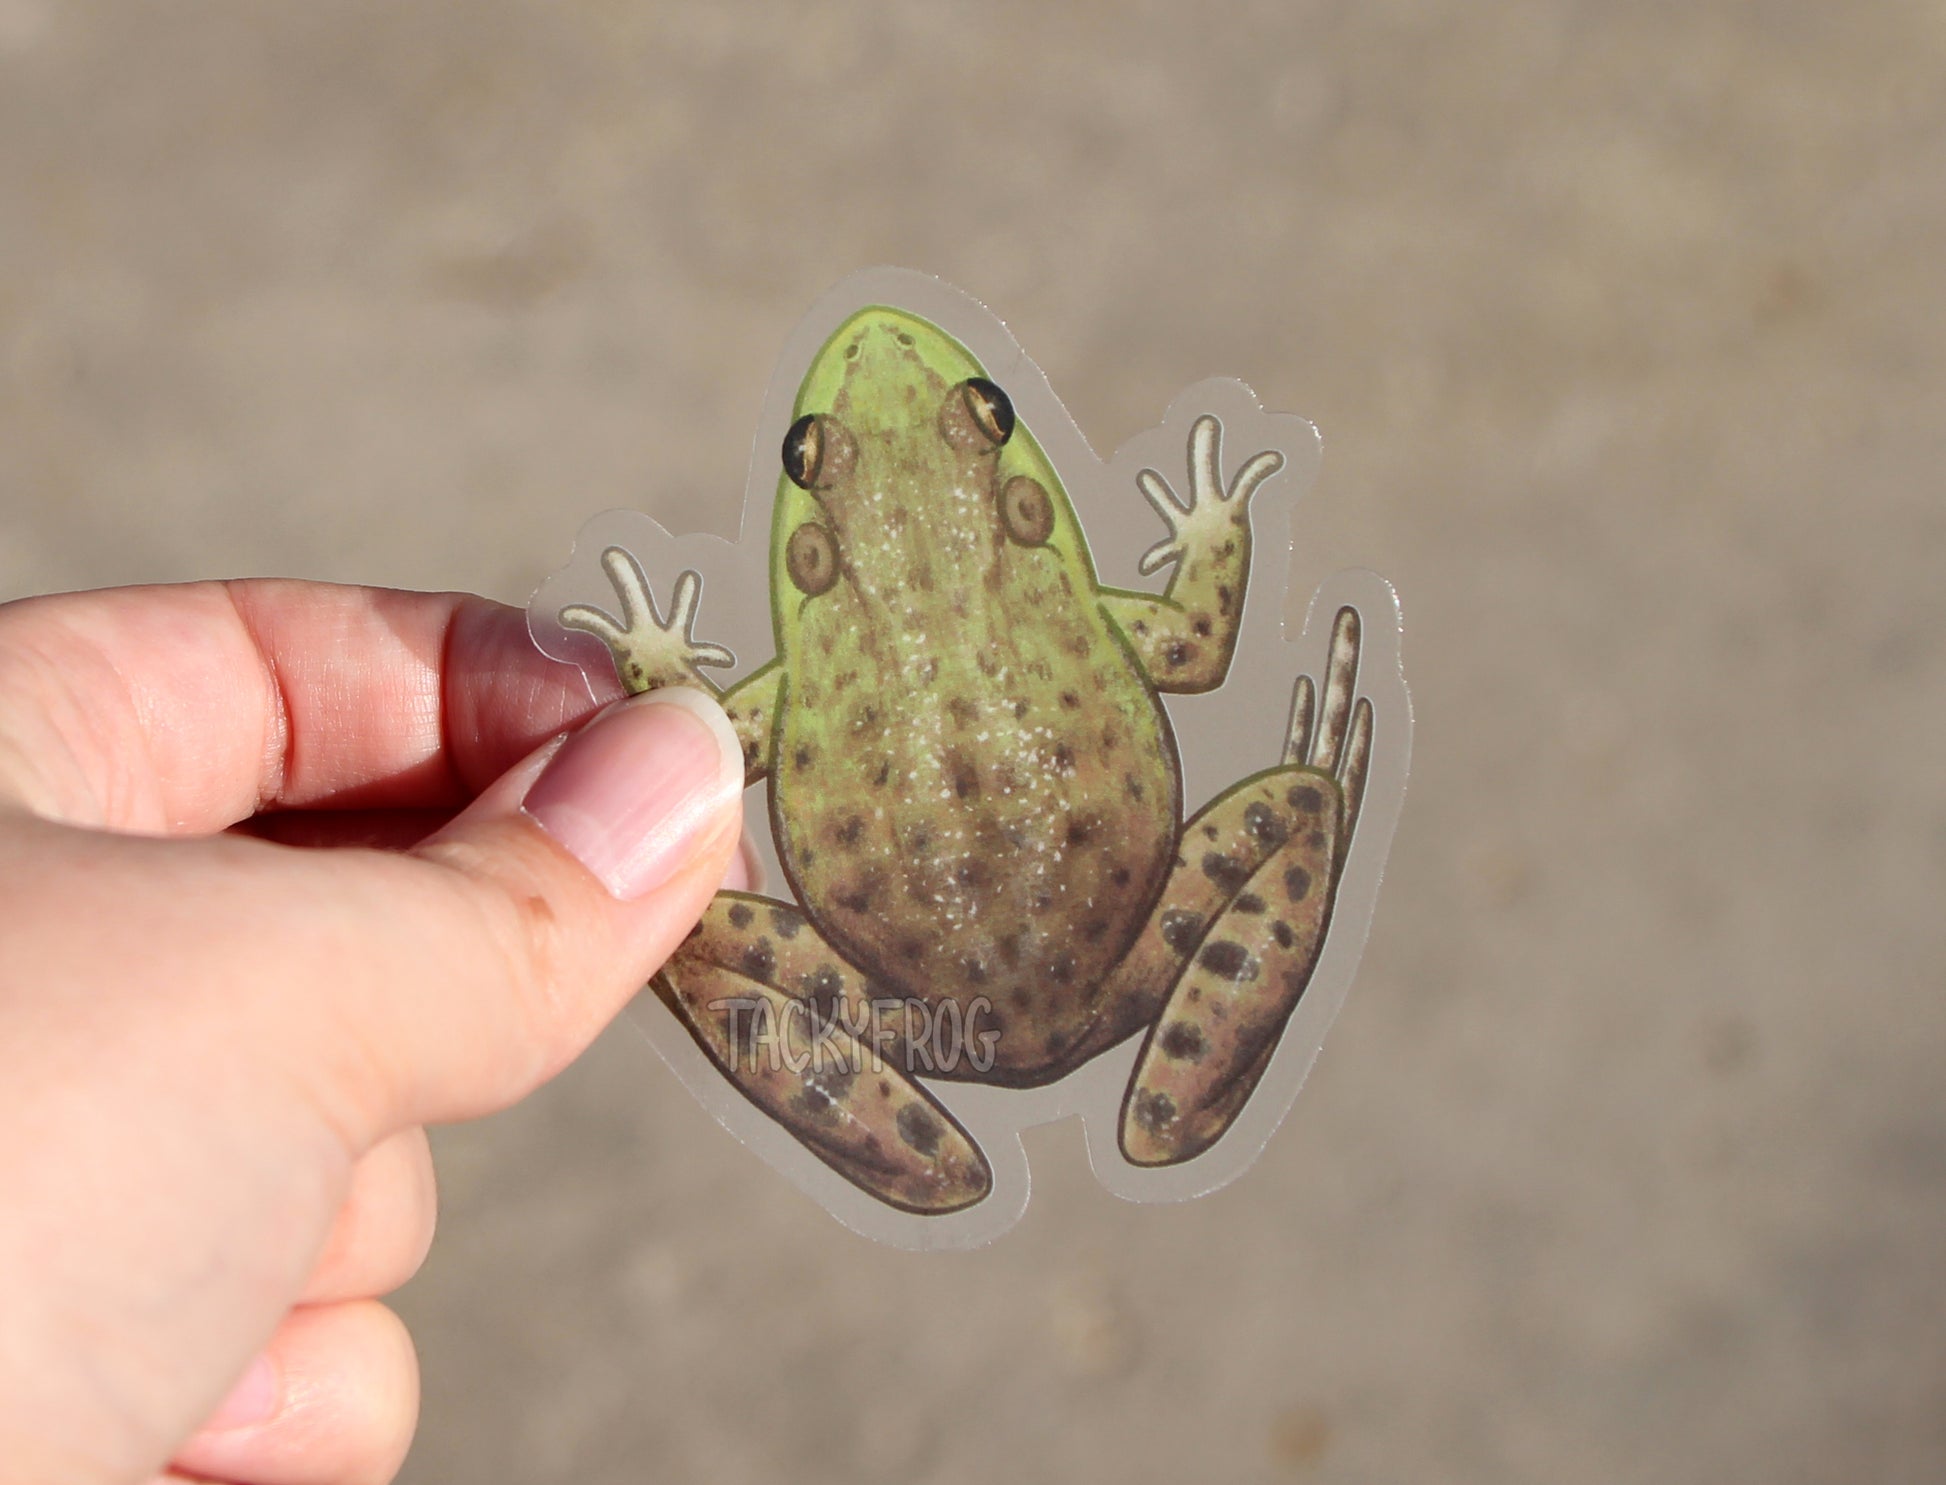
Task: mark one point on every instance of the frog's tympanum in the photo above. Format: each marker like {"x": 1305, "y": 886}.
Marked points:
{"x": 975, "y": 791}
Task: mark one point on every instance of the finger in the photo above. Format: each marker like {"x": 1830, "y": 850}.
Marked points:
{"x": 682, "y": 603}
{"x": 521, "y": 928}
{"x": 632, "y": 583}
{"x": 333, "y": 1400}
{"x": 1249, "y": 478}
{"x": 385, "y": 1226}
{"x": 1206, "y": 474}
{"x": 1158, "y": 557}
{"x": 1297, "y": 737}
{"x": 1155, "y": 489}
{"x": 592, "y": 621}
{"x": 186, "y": 709}
{"x": 1358, "y": 760}
{"x": 1341, "y": 674}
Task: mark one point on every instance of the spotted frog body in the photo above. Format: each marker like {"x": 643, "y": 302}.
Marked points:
{"x": 975, "y": 790}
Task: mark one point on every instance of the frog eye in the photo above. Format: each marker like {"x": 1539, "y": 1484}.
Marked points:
{"x": 992, "y": 409}
{"x": 1026, "y": 511}
{"x": 818, "y": 452}
{"x": 811, "y": 558}
{"x": 803, "y": 445}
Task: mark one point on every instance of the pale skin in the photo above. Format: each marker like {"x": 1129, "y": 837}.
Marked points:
{"x": 220, "y": 1050}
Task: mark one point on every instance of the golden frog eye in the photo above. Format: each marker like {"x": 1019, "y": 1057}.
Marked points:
{"x": 803, "y": 447}
{"x": 1026, "y": 511}
{"x": 811, "y": 558}
{"x": 992, "y": 409}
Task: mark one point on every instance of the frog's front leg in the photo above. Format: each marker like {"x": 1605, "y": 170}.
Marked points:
{"x": 1185, "y": 638}
{"x": 1242, "y": 921}
{"x": 651, "y": 652}
{"x": 798, "y": 1033}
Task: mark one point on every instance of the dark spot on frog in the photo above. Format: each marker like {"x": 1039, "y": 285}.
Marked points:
{"x": 1020, "y": 999}
{"x": 1181, "y": 929}
{"x": 1020, "y": 709}
{"x": 821, "y": 1092}
{"x": 1095, "y": 930}
{"x": 1281, "y": 931}
{"x": 865, "y": 719}
{"x": 786, "y": 921}
{"x": 884, "y": 773}
{"x": 1061, "y": 971}
{"x": 1081, "y": 829}
{"x": 1209, "y": 832}
{"x": 802, "y": 756}
{"x": 1039, "y": 900}
{"x": 966, "y": 779}
{"x": 919, "y": 841}
{"x": 1153, "y": 1110}
{"x": 1063, "y": 758}
{"x": 824, "y": 988}
{"x": 1132, "y": 786}
{"x": 1179, "y": 654}
{"x": 1297, "y": 884}
{"x": 1080, "y": 644}
{"x": 1141, "y": 627}
{"x": 740, "y": 915}
{"x": 884, "y": 1088}
{"x": 1228, "y": 549}
{"x": 975, "y": 969}
{"x": 856, "y": 900}
{"x": 1201, "y": 626}
{"x": 1109, "y": 737}
{"x": 1315, "y": 840}
{"x": 1227, "y": 874}
{"x": 1306, "y": 797}
{"x": 963, "y": 711}
{"x": 1070, "y": 700}
{"x": 1224, "y": 599}
{"x": 1249, "y": 903}
{"x": 912, "y": 949}
{"x": 1120, "y": 876}
{"x": 1229, "y": 960}
{"x": 1182, "y": 1041}
{"x": 920, "y": 1129}
{"x": 973, "y": 873}
{"x": 1266, "y": 826}
{"x": 759, "y": 961}
{"x": 848, "y": 833}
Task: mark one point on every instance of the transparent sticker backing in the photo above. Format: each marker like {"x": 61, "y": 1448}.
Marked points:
{"x": 1060, "y": 820}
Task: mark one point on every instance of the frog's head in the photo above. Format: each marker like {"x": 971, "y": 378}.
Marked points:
{"x": 908, "y": 484}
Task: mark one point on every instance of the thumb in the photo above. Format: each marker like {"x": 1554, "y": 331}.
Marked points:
{"x": 534, "y": 915}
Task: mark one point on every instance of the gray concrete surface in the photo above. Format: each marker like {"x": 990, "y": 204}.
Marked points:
{"x": 1624, "y": 326}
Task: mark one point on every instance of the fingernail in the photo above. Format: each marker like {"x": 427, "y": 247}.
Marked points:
{"x": 252, "y": 1400}
{"x": 632, "y": 793}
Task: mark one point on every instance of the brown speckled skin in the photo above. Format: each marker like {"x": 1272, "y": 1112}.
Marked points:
{"x": 974, "y": 791}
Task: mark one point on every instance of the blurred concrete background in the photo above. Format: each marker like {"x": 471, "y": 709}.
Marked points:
{"x": 1624, "y": 325}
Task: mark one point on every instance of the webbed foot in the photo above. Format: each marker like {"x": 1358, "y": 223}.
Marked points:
{"x": 795, "y": 1030}
{"x": 1243, "y": 920}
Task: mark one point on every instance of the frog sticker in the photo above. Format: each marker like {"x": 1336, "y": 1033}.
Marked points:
{"x": 1004, "y": 894}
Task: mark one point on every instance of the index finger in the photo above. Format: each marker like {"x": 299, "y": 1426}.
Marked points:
{"x": 185, "y": 709}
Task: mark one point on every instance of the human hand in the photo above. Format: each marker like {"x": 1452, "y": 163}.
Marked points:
{"x": 218, "y": 1049}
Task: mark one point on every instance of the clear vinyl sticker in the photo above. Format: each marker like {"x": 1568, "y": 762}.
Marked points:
{"x": 1061, "y": 820}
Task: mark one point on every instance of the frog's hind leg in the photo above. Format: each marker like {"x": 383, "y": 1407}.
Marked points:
{"x": 794, "y": 1028}
{"x": 1243, "y": 920}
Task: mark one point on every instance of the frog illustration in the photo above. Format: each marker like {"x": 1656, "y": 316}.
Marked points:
{"x": 974, "y": 785}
